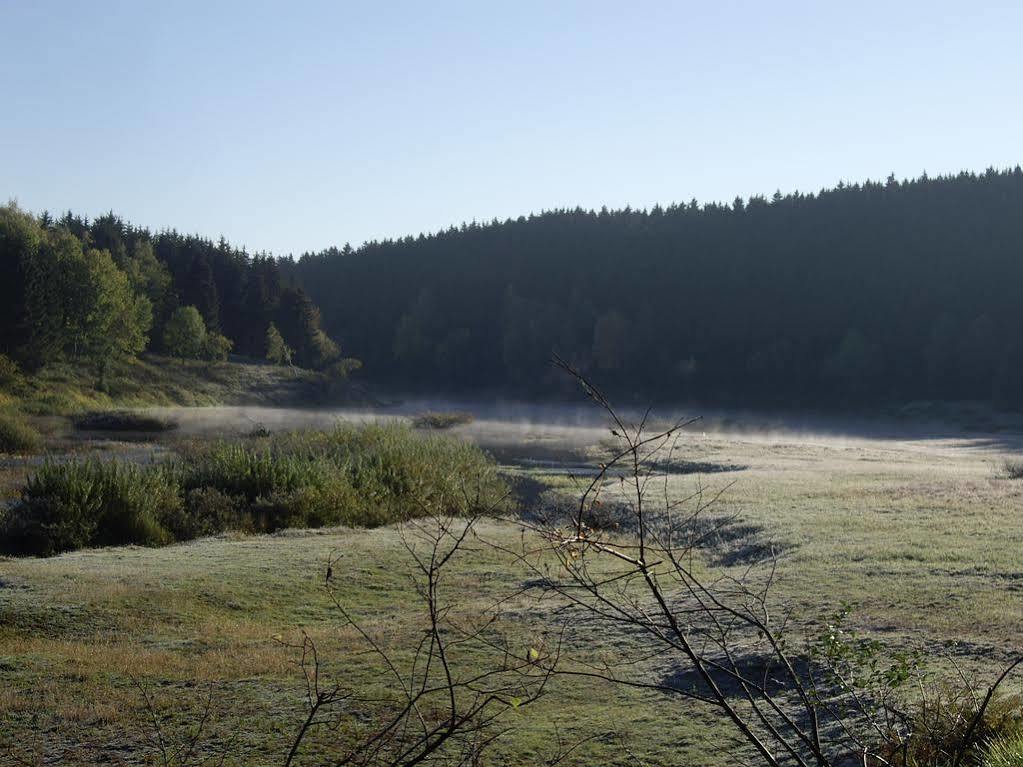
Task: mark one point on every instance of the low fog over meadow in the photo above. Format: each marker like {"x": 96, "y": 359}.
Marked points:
{"x": 543, "y": 384}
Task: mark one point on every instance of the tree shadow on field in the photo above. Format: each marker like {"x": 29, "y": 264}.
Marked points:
{"x": 760, "y": 669}
{"x": 726, "y": 540}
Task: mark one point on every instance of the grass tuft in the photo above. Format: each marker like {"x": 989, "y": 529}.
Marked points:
{"x": 358, "y": 476}
{"x": 1006, "y": 751}
{"x": 942, "y": 728}
{"x": 74, "y": 504}
{"x": 441, "y": 420}
{"x": 17, "y": 435}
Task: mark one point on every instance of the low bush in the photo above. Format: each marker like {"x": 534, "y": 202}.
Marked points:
{"x": 241, "y": 470}
{"x": 358, "y": 476}
{"x": 66, "y": 506}
{"x": 17, "y": 435}
{"x": 123, "y": 420}
{"x": 411, "y": 474}
{"x": 941, "y": 728}
{"x": 441, "y": 420}
{"x": 205, "y": 511}
{"x": 1013, "y": 468}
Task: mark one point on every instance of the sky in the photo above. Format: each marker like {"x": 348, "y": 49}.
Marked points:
{"x": 294, "y": 126}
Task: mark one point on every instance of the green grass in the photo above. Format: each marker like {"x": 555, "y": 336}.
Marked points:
{"x": 78, "y": 628}
{"x": 70, "y": 389}
{"x": 921, "y": 537}
{"x": 355, "y": 475}
{"x": 1006, "y": 751}
{"x": 17, "y": 435}
{"x": 72, "y": 504}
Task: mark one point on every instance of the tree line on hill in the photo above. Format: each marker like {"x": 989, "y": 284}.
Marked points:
{"x": 93, "y": 291}
{"x": 863, "y": 293}
{"x": 860, "y": 294}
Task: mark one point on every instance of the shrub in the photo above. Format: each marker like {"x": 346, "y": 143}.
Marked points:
{"x": 1013, "y": 468}
{"x": 411, "y": 474}
{"x": 205, "y": 511}
{"x": 940, "y": 727}
{"x": 435, "y": 420}
{"x": 17, "y": 435}
{"x": 250, "y": 473}
{"x": 123, "y": 420}
{"x": 11, "y": 378}
{"x": 365, "y": 475}
{"x": 66, "y": 506}
{"x": 216, "y": 347}
{"x": 184, "y": 335}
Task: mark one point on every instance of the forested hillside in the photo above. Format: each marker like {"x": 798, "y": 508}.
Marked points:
{"x": 95, "y": 291}
{"x": 874, "y": 292}
{"x": 870, "y": 292}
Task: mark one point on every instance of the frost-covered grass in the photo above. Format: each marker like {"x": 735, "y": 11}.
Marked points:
{"x": 920, "y": 537}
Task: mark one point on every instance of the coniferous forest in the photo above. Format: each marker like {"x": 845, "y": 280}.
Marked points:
{"x": 865, "y": 293}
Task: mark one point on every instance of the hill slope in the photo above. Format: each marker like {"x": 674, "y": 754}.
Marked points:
{"x": 861, "y": 293}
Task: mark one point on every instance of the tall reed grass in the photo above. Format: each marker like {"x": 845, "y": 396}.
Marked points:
{"x": 354, "y": 475}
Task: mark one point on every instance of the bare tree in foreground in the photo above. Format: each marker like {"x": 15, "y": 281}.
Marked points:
{"x": 443, "y": 701}
{"x": 795, "y": 696}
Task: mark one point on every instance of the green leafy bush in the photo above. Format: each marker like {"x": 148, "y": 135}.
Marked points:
{"x": 184, "y": 335}
{"x": 66, "y": 506}
{"x": 205, "y": 511}
{"x": 216, "y": 347}
{"x": 410, "y": 473}
{"x": 17, "y": 435}
{"x": 356, "y": 475}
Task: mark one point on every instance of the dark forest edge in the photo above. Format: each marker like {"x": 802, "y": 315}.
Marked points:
{"x": 863, "y": 294}
{"x": 869, "y": 293}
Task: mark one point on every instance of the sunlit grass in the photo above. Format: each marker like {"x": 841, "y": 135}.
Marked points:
{"x": 922, "y": 538}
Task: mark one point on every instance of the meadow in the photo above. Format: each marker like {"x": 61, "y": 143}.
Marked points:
{"x": 917, "y": 536}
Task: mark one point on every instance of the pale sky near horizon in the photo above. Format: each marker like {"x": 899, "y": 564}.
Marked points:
{"x": 295, "y": 126}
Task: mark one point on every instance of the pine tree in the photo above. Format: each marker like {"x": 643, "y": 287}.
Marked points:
{"x": 201, "y": 291}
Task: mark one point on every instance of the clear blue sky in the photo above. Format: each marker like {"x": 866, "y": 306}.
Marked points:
{"x": 294, "y": 126}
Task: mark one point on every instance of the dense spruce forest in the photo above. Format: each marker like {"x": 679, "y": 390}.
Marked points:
{"x": 90, "y": 292}
{"x": 860, "y": 294}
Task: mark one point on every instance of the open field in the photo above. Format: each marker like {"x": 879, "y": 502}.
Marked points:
{"x": 920, "y": 536}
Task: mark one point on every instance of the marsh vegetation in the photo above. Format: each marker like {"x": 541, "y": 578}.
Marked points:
{"x": 914, "y": 534}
